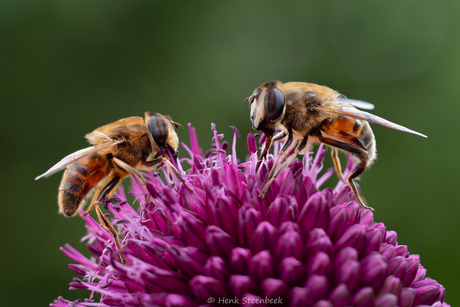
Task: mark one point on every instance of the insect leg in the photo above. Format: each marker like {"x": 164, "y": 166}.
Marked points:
{"x": 178, "y": 175}
{"x": 129, "y": 169}
{"x": 153, "y": 165}
{"x": 105, "y": 191}
{"x": 280, "y": 153}
{"x": 337, "y": 166}
{"x": 358, "y": 172}
{"x": 363, "y": 157}
{"x": 108, "y": 226}
{"x": 300, "y": 146}
{"x": 268, "y": 144}
{"x": 279, "y": 136}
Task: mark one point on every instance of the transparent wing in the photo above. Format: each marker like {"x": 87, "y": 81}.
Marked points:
{"x": 371, "y": 118}
{"x": 357, "y": 103}
{"x": 77, "y": 156}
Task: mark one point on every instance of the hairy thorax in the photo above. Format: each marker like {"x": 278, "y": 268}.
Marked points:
{"x": 299, "y": 115}
{"x": 132, "y": 129}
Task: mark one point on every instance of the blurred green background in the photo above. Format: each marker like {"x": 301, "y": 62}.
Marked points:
{"x": 67, "y": 68}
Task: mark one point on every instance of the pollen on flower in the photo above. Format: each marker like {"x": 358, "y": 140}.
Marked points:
{"x": 300, "y": 245}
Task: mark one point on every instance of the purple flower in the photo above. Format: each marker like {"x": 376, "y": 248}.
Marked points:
{"x": 221, "y": 244}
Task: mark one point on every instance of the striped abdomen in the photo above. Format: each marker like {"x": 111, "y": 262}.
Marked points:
{"x": 79, "y": 178}
{"x": 351, "y": 131}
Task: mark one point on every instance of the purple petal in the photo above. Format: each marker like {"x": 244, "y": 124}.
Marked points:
{"x": 339, "y": 296}
{"x": 314, "y": 235}
{"x": 411, "y": 271}
{"x": 280, "y": 211}
{"x": 374, "y": 271}
{"x": 241, "y": 284}
{"x": 322, "y": 244}
{"x": 416, "y": 257}
{"x": 348, "y": 274}
{"x": 217, "y": 268}
{"x": 224, "y": 145}
{"x": 252, "y": 147}
{"x": 342, "y": 217}
{"x": 194, "y": 141}
{"x": 178, "y": 300}
{"x": 198, "y": 162}
{"x": 94, "y": 250}
{"x": 235, "y": 131}
{"x": 386, "y": 300}
{"x": 113, "y": 301}
{"x": 386, "y": 250}
{"x": 216, "y": 177}
{"x": 289, "y": 226}
{"x": 363, "y": 298}
{"x": 165, "y": 281}
{"x": 261, "y": 266}
{"x": 77, "y": 284}
{"x": 343, "y": 196}
{"x": 318, "y": 285}
{"x": 323, "y": 303}
{"x": 353, "y": 237}
{"x": 193, "y": 232}
{"x": 401, "y": 250}
{"x": 227, "y": 212}
{"x": 219, "y": 137}
{"x": 239, "y": 261}
{"x": 442, "y": 294}
{"x": 251, "y": 300}
{"x": 314, "y": 214}
{"x": 192, "y": 262}
{"x": 320, "y": 264}
{"x": 262, "y": 139}
{"x": 426, "y": 292}
{"x": 291, "y": 271}
{"x": 205, "y": 287}
{"x": 78, "y": 269}
{"x": 220, "y": 242}
{"x": 391, "y": 285}
{"x": 366, "y": 217}
{"x": 248, "y": 220}
{"x": 345, "y": 255}
{"x": 289, "y": 245}
{"x": 391, "y": 237}
{"x": 265, "y": 237}
{"x": 273, "y": 288}
{"x": 301, "y": 297}
{"x": 374, "y": 236}
{"x": 406, "y": 299}
{"x": 397, "y": 267}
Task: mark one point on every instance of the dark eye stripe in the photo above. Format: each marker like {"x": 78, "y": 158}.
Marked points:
{"x": 274, "y": 104}
{"x": 159, "y": 130}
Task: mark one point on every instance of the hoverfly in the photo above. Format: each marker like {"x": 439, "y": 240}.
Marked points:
{"x": 118, "y": 150}
{"x": 313, "y": 113}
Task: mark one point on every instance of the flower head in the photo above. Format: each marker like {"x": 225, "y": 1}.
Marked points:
{"x": 222, "y": 244}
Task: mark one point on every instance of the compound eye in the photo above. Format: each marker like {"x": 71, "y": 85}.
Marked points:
{"x": 274, "y": 104}
{"x": 159, "y": 130}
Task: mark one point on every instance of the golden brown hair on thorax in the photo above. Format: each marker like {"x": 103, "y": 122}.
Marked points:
{"x": 119, "y": 149}
{"x": 307, "y": 112}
